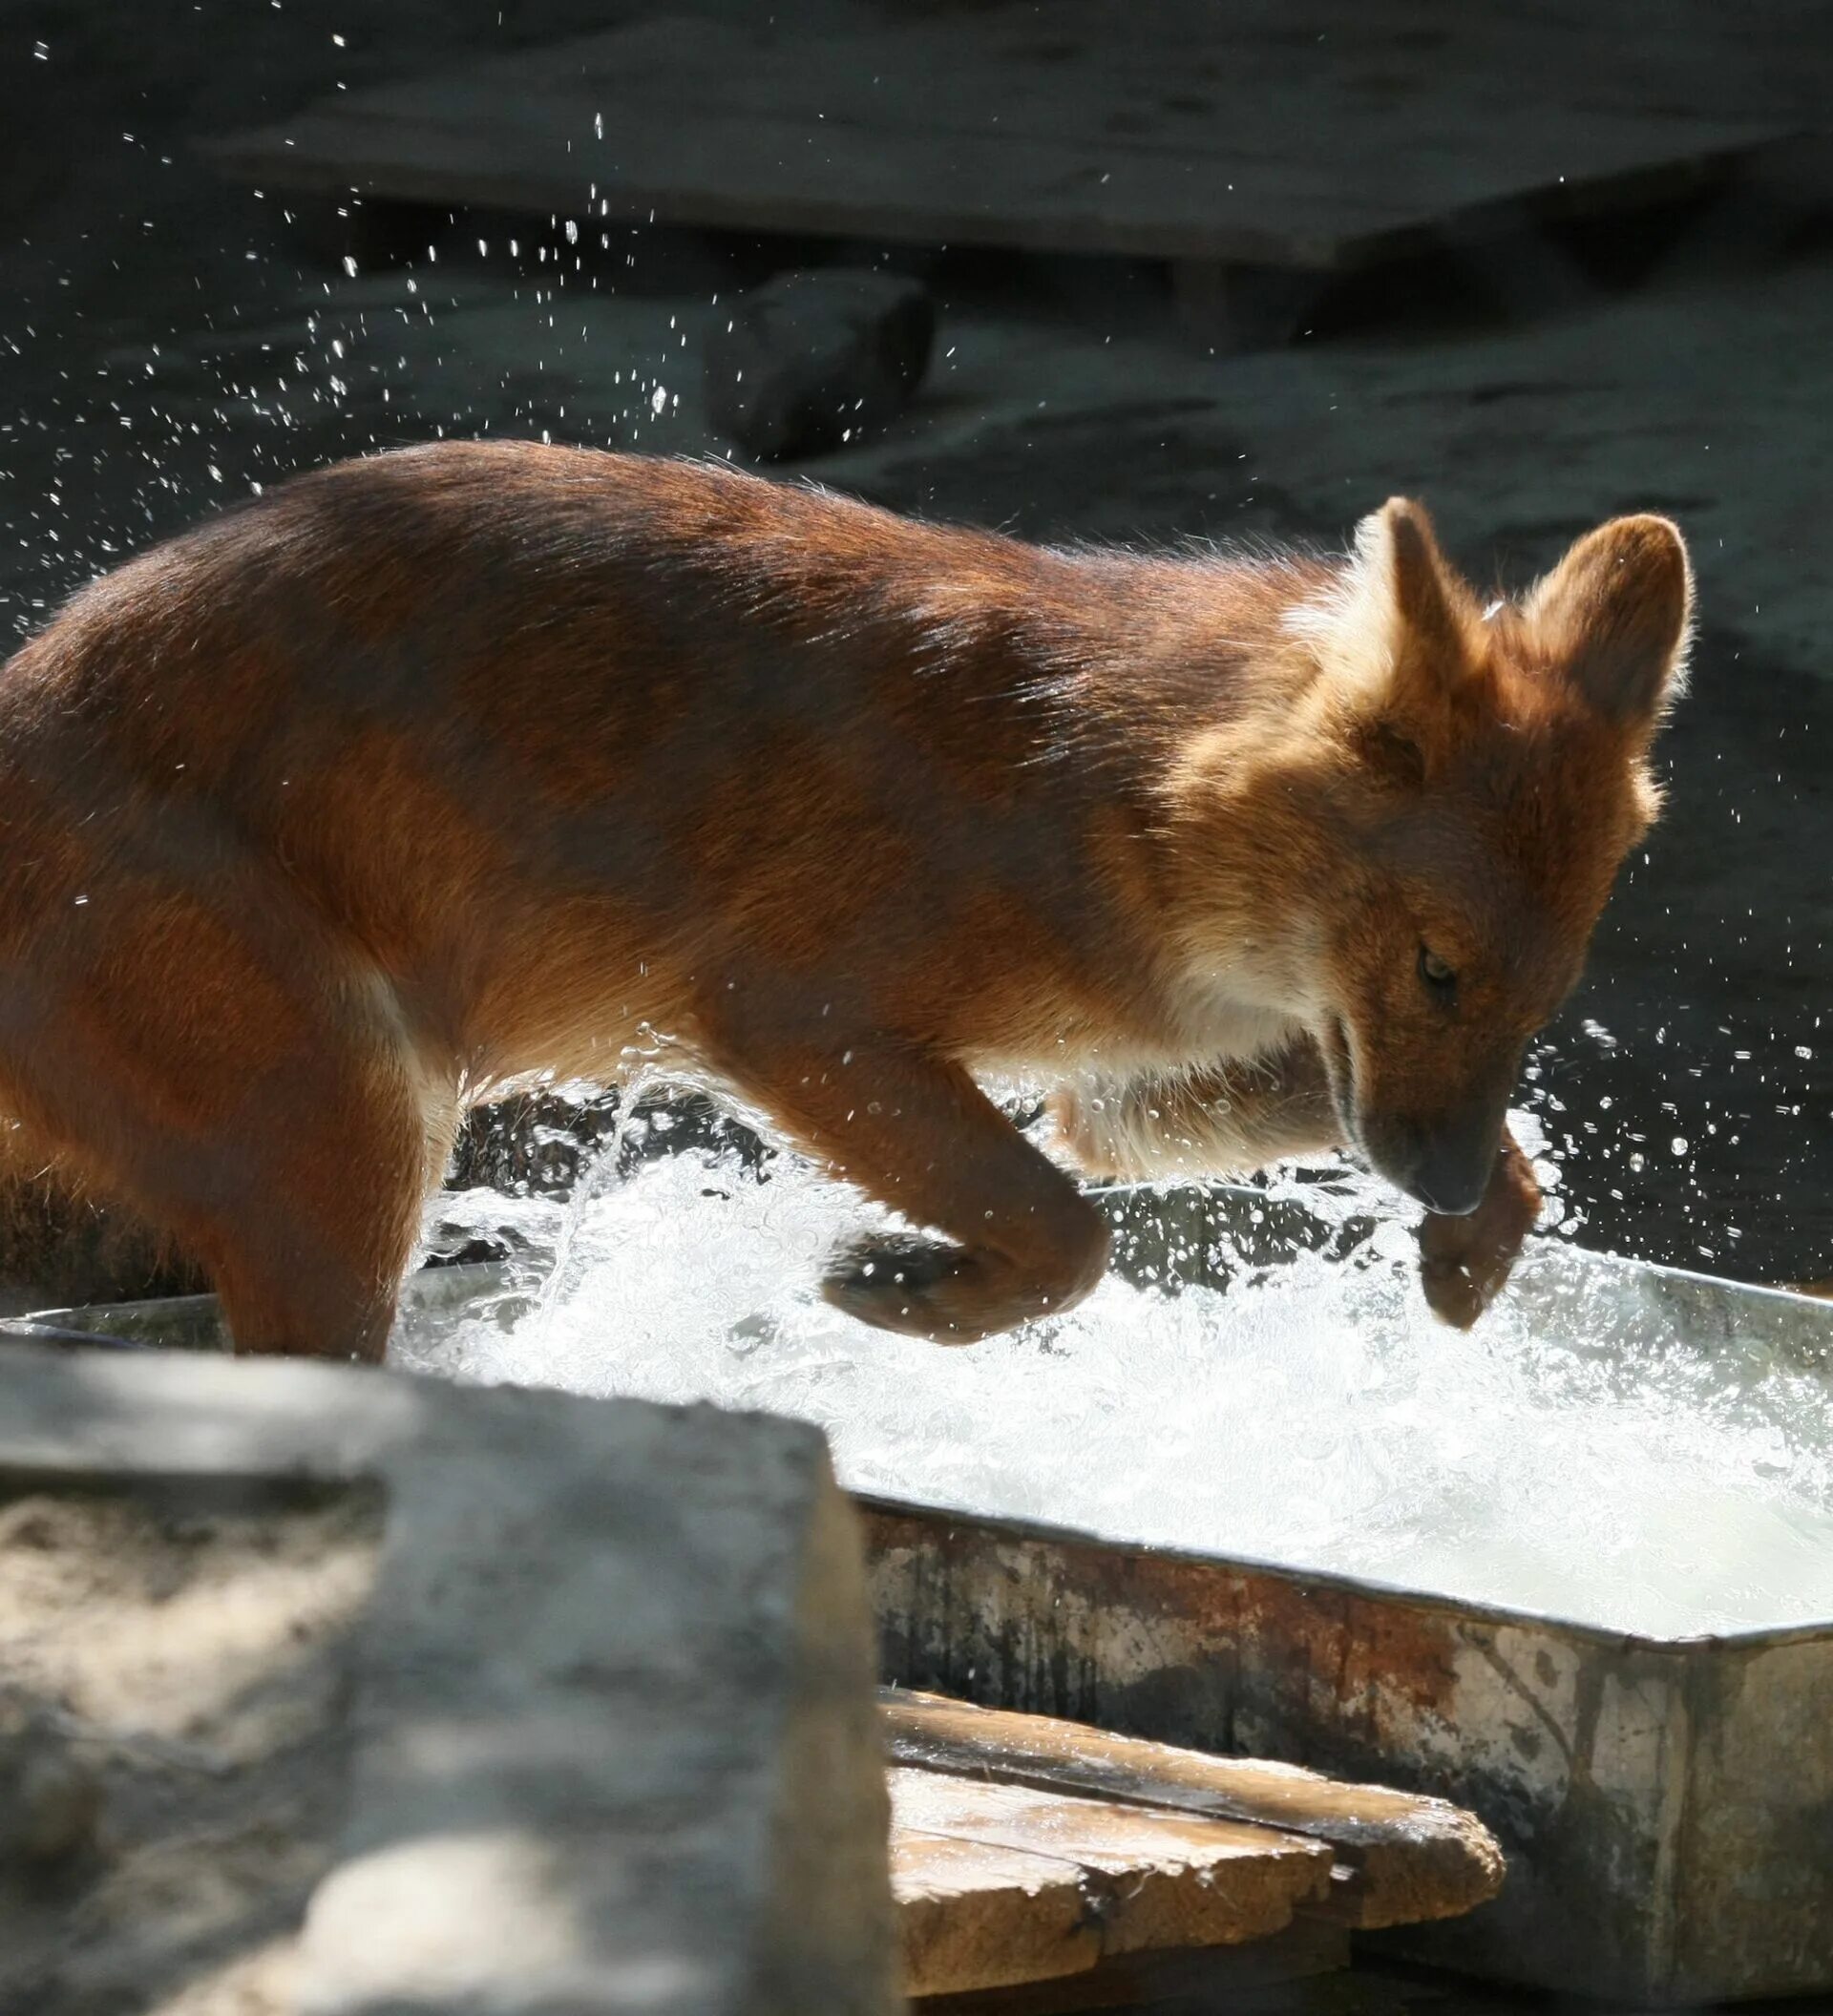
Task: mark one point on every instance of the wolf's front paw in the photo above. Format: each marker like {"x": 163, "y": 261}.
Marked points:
{"x": 954, "y": 1294}
{"x": 1463, "y": 1262}
{"x": 892, "y": 1283}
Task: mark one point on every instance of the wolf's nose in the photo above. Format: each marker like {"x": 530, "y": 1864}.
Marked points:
{"x": 1450, "y": 1183}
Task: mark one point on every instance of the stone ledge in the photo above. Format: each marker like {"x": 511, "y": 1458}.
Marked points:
{"x": 612, "y": 1738}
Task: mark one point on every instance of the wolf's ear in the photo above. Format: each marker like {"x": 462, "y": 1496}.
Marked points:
{"x": 1398, "y": 548}
{"x": 1391, "y": 632}
{"x": 1397, "y": 604}
{"x": 1614, "y": 614}
{"x": 1404, "y": 623}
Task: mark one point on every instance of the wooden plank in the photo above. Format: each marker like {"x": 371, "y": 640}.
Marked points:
{"x": 1192, "y": 134}
{"x": 838, "y": 180}
{"x": 1153, "y": 1879}
{"x": 1204, "y": 84}
{"x": 1404, "y": 1859}
{"x": 973, "y": 1916}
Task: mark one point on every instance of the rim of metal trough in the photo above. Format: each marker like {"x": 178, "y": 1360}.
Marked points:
{"x": 1307, "y": 1580}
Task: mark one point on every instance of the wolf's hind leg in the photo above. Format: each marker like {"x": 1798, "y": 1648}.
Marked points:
{"x": 257, "y": 1094}
{"x": 309, "y": 1260}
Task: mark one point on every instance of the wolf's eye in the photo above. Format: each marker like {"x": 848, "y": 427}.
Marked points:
{"x": 1435, "y": 973}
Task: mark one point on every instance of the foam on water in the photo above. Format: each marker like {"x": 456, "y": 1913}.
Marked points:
{"x": 1600, "y": 1466}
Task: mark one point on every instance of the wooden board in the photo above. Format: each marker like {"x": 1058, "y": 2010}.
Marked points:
{"x": 1401, "y": 1859}
{"x": 1189, "y": 130}
{"x": 1002, "y": 1883}
{"x": 975, "y": 1916}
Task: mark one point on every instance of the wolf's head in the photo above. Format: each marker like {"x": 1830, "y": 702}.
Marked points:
{"x": 1478, "y": 771}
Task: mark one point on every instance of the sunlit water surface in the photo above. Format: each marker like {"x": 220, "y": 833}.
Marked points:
{"x": 1601, "y": 1467}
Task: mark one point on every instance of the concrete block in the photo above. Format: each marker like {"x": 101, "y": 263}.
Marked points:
{"x": 607, "y": 1710}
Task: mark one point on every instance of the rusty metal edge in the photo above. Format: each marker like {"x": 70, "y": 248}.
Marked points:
{"x": 1758, "y": 1636}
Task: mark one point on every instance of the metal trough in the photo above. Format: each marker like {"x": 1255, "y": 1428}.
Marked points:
{"x": 1666, "y": 1804}
{"x": 1666, "y": 1807}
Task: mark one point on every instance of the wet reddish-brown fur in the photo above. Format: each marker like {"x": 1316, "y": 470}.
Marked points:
{"x": 431, "y": 771}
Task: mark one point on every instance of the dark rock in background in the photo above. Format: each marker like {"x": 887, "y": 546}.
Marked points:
{"x": 541, "y": 1143}
{"x": 815, "y": 359}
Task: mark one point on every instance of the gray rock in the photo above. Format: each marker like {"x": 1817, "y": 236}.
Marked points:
{"x": 612, "y": 1731}
{"x": 815, "y": 359}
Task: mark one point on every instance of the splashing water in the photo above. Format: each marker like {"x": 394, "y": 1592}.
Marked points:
{"x": 1583, "y": 1453}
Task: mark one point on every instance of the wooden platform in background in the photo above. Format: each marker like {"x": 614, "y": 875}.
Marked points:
{"x": 1209, "y": 132}
{"x": 1042, "y": 1866}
